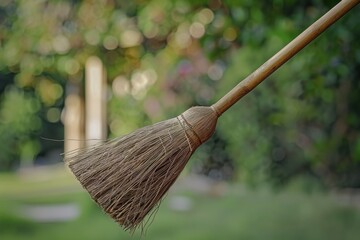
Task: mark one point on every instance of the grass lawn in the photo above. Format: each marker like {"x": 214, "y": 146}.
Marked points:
{"x": 239, "y": 214}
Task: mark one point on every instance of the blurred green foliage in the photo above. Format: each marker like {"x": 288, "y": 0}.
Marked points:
{"x": 302, "y": 123}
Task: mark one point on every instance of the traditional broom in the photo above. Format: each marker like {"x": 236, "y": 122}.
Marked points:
{"x": 128, "y": 176}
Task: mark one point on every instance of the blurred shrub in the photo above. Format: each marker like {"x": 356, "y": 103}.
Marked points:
{"x": 304, "y": 120}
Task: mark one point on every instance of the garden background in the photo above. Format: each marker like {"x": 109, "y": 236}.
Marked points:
{"x": 284, "y": 162}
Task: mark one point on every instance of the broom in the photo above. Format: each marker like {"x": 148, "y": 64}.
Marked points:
{"x": 128, "y": 176}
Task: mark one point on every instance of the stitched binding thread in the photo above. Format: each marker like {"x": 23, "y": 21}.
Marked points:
{"x": 192, "y": 137}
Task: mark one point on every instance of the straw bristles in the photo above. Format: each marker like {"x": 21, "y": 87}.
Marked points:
{"x": 128, "y": 176}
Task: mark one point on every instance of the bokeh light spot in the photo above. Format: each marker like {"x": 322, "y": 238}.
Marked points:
{"x": 92, "y": 37}
{"x": 61, "y": 44}
{"x": 197, "y": 30}
{"x": 110, "y": 42}
{"x": 205, "y": 16}
{"x": 230, "y": 34}
{"x": 53, "y": 115}
{"x": 130, "y": 38}
{"x": 121, "y": 86}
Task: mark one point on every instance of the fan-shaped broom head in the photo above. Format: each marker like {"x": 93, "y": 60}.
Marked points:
{"x": 128, "y": 176}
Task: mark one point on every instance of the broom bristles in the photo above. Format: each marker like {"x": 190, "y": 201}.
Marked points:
{"x": 128, "y": 176}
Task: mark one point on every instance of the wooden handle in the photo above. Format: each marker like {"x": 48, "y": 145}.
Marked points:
{"x": 271, "y": 65}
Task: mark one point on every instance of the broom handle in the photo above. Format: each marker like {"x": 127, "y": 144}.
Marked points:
{"x": 271, "y": 65}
